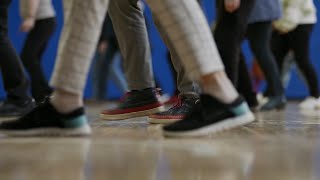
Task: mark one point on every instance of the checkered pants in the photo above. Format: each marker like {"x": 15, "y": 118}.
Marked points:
{"x": 182, "y": 21}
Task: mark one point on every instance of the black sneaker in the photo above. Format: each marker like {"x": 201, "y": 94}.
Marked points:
{"x": 12, "y": 109}
{"x": 44, "y": 120}
{"x": 176, "y": 113}
{"x": 211, "y": 116}
{"x": 274, "y": 103}
{"x": 135, "y": 103}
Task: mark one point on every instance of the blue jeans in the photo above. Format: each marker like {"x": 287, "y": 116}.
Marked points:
{"x": 107, "y": 66}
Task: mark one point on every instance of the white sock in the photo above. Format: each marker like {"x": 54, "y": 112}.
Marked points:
{"x": 222, "y": 89}
{"x": 66, "y": 102}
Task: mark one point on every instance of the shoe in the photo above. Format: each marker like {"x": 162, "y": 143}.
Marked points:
{"x": 173, "y": 100}
{"x": 12, "y": 109}
{"x": 164, "y": 98}
{"x": 45, "y": 120}
{"x": 210, "y": 116}
{"x": 274, "y": 103}
{"x": 310, "y": 103}
{"x": 135, "y": 103}
{"x": 262, "y": 99}
{"x": 176, "y": 113}
{"x": 252, "y": 102}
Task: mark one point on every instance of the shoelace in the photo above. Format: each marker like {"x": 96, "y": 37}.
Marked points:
{"x": 29, "y": 116}
{"x": 178, "y": 104}
{"x": 125, "y": 96}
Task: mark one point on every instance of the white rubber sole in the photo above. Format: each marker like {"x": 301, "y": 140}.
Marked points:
{"x": 81, "y": 131}
{"x": 9, "y": 118}
{"x": 214, "y": 128}
{"x": 162, "y": 121}
{"x": 115, "y": 117}
{"x": 314, "y": 113}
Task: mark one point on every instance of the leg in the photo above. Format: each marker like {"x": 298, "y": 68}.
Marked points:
{"x": 15, "y": 82}
{"x": 185, "y": 85}
{"x": 189, "y": 90}
{"x": 279, "y": 48}
{"x": 244, "y": 85}
{"x": 31, "y": 54}
{"x": 259, "y": 35}
{"x": 78, "y": 46}
{"x": 18, "y": 101}
{"x": 229, "y": 33}
{"x": 174, "y": 74}
{"x": 129, "y": 25}
{"x": 102, "y": 69}
{"x": 300, "y": 40}
{"x": 116, "y": 73}
{"x": 186, "y": 27}
{"x": 287, "y": 65}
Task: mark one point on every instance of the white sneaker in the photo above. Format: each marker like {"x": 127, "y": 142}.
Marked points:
{"x": 310, "y": 103}
{"x": 262, "y": 99}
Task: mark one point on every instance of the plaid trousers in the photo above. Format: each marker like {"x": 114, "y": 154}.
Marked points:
{"x": 182, "y": 20}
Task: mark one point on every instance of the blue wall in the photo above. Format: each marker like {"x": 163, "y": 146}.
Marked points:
{"x": 296, "y": 88}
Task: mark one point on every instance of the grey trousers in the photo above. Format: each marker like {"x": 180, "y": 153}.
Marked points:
{"x": 131, "y": 31}
{"x": 185, "y": 85}
{"x": 135, "y": 48}
{"x": 182, "y": 20}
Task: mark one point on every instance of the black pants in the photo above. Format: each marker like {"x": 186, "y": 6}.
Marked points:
{"x": 15, "y": 82}
{"x": 244, "y": 85}
{"x": 259, "y": 36}
{"x": 298, "y": 40}
{"x": 34, "y": 46}
{"x": 229, "y": 34}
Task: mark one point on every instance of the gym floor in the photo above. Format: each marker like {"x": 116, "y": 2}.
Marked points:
{"x": 280, "y": 145}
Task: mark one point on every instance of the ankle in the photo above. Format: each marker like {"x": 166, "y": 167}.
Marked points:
{"x": 219, "y": 86}
{"x": 66, "y": 102}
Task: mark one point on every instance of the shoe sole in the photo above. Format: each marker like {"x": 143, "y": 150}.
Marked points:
{"x": 214, "y": 128}
{"x": 280, "y": 108}
{"x": 9, "y": 118}
{"x": 314, "y": 113}
{"x": 162, "y": 121}
{"x": 81, "y": 131}
{"x": 115, "y": 117}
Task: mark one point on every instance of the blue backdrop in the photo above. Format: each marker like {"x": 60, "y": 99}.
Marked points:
{"x": 296, "y": 88}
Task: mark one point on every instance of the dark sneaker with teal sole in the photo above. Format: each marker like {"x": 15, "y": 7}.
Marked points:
{"x": 274, "y": 103}
{"x": 176, "y": 113}
{"x": 135, "y": 103}
{"x": 45, "y": 120}
{"x": 209, "y": 117}
{"x": 13, "y": 109}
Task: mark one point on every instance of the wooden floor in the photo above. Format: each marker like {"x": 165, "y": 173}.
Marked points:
{"x": 278, "y": 146}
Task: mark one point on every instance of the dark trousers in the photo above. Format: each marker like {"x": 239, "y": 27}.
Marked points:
{"x": 259, "y": 36}
{"x": 244, "y": 85}
{"x": 298, "y": 40}
{"x": 101, "y": 69}
{"x": 34, "y": 46}
{"x": 15, "y": 81}
{"x": 229, "y": 34}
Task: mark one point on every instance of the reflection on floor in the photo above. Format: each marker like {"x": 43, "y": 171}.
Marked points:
{"x": 278, "y": 146}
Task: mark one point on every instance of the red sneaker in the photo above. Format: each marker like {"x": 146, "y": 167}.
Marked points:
{"x": 176, "y": 113}
{"x": 135, "y": 103}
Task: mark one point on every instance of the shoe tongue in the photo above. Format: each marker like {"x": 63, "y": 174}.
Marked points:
{"x": 238, "y": 106}
{"x": 207, "y": 100}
